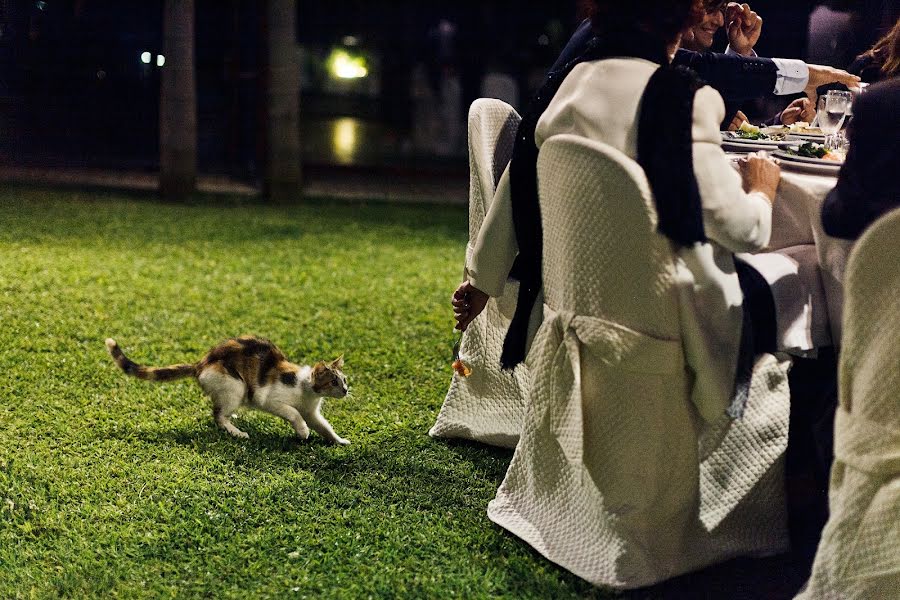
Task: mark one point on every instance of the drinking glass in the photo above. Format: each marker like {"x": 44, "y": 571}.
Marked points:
{"x": 831, "y": 111}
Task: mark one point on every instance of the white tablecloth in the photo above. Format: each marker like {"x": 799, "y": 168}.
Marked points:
{"x": 796, "y": 220}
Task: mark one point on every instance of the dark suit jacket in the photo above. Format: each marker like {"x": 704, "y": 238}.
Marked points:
{"x": 736, "y": 78}
{"x": 869, "y": 182}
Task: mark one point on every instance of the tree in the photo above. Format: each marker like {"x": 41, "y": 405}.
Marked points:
{"x": 178, "y": 102}
{"x": 282, "y": 171}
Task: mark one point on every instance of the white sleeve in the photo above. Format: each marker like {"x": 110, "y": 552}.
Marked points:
{"x": 791, "y": 77}
{"x": 733, "y": 52}
{"x": 496, "y": 247}
{"x": 736, "y": 220}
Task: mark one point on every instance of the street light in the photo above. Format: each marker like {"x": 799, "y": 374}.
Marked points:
{"x": 344, "y": 66}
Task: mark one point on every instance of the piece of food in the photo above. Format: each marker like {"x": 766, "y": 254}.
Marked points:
{"x": 813, "y": 150}
{"x": 748, "y": 128}
{"x": 803, "y": 127}
{"x": 461, "y": 368}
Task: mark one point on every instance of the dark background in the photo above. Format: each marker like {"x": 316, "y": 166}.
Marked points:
{"x": 74, "y": 91}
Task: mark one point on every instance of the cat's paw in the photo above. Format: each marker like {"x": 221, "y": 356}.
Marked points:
{"x": 342, "y": 441}
{"x": 240, "y": 434}
{"x": 303, "y": 433}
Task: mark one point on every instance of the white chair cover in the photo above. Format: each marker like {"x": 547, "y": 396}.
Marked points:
{"x": 859, "y": 553}
{"x": 489, "y": 405}
{"x": 616, "y": 477}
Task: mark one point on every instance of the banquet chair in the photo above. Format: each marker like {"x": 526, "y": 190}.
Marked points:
{"x": 859, "y": 552}
{"x": 617, "y": 476}
{"x": 488, "y": 405}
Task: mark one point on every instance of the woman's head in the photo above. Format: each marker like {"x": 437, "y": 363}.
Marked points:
{"x": 661, "y": 20}
{"x": 887, "y": 51}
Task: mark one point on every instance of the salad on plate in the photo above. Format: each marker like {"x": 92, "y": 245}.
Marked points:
{"x": 813, "y": 150}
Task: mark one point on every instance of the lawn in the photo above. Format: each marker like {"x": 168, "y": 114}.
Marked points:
{"x": 118, "y": 488}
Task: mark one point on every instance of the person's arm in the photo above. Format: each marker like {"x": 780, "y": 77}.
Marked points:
{"x": 738, "y": 78}
{"x": 744, "y": 27}
{"x": 735, "y": 77}
{"x": 495, "y": 247}
{"x": 492, "y": 258}
{"x": 738, "y": 220}
{"x": 575, "y": 46}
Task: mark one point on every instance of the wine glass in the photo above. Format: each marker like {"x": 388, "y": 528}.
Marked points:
{"x": 831, "y": 111}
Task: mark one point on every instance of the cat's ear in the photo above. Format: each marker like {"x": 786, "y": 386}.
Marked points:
{"x": 338, "y": 362}
{"x": 318, "y": 368}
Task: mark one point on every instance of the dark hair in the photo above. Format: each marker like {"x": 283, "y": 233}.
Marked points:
{"x": 661, "y": 20}
{"x": 886, "y": 51}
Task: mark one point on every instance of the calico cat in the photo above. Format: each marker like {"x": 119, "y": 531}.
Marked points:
{"x": 252, "y": 371}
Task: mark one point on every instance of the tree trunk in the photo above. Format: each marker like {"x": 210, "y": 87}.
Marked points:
{"x": 178, "y": 102}
{"x": 282, "y": 172}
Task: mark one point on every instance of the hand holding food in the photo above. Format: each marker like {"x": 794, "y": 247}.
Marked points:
{"x": 468, "y": 302}
{"x": 801, "y": 109}
{"x": 760, "y": 173}
{"x": 739, "y": 119}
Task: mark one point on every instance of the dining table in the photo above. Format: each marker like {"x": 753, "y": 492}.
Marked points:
{"x": 820, "y": 259}
{"x": 797, "y": 219}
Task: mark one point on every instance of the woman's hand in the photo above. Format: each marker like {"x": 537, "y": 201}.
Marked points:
{"x": 760, "y": 174}
{"x": 468, "y": 302}
{"x": 744, "y": 27}
{"x": 736, "y": 121}
{"x": 801, "y": 109}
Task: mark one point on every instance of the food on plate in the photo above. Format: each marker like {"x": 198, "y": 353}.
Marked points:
{"x": 747, "y": 131}
{"x": 812, "y": 150}
{"x": 800, "y": 127}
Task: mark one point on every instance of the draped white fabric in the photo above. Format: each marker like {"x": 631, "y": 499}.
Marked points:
{"x": 859, "y": 554}
{"x": 487, "y": 406}
{"x": 617, "y": 476}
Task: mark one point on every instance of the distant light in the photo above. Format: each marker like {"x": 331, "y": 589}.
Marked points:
{"x": 345, "y": 139}
{"x": 350, "y": 40}
{"x": 41, "y": 5}
{"x": 101, "y": 74}
{"x": 344, "y": 66}
{"x": 160, "y": 60}
{"x": 145, "y": 57}
{"x": 544, "y": 40}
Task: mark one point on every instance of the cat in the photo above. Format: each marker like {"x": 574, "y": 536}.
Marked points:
{"x": 252, "y": 371}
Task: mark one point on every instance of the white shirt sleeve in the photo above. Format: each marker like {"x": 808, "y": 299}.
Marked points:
{"x": 733, "y": 52}
{"x": 495, "y": 248}
{"x": 736, "y": 220}
{"x": 792, "y": 76}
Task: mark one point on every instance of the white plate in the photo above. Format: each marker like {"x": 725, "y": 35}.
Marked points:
{"x": 810, "y": 137}
{"x": 749, "y": 145}
{"x": 801, "y": 134}
{"x": 809, "y": 165}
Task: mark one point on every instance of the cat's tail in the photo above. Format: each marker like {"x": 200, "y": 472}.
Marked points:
{"x": 130, "y": 367}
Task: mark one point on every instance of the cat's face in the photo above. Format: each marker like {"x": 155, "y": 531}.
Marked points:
{"x": 329, "y": 380}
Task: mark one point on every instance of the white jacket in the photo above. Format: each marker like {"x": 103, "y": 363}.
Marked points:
{"x": 600, "y": 100}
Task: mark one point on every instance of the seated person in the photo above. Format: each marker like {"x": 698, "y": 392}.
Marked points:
{"x": 623, "y": 489}
{"x": 868, "y": 185}
{"x": 731, "y": 211}
{"x": 882, "y": 60}
{"x": 737, "y": 77}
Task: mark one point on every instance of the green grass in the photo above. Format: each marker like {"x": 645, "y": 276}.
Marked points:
{"x": 117, "y": 488}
